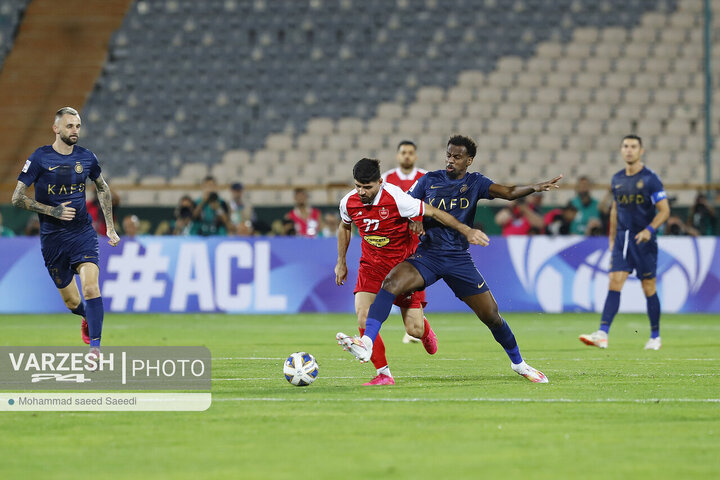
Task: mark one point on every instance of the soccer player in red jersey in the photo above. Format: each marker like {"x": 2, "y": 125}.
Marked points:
{"x": 381, "y": 212}
{"x": 405, "y": 176}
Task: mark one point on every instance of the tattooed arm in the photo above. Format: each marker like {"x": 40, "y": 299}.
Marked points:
{"x": 105, "y": 198}
{"x": 21, "y": 200}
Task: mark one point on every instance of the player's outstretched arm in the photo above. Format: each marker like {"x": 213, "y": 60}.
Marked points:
{"x": 105, "y": 198}
{"x": 513, "y": 192}
{"x": 344, "y": 233}
{"x": 474, "y": 236}
{"x": 21, "y": 200}
{"x": 663, "y": 213}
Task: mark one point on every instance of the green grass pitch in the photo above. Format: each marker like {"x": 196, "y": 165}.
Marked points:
{"x": 620, "y": 413}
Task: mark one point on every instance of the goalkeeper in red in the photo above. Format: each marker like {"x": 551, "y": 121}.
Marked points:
{"x": 381, "y": 212}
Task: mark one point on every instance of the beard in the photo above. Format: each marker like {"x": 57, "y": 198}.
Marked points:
{"x": 68, "y": 141}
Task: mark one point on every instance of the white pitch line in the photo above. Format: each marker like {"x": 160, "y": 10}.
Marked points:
{"x": 539, "y": 359}
{"x": 431, "y": 377}
{"x": 470, "y": 400}
{"x": 248, "y": 358}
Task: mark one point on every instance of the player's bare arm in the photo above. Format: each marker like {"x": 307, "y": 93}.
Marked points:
{"x": 21, "y": 200}
{"x": 613, "y": 225}
{"x": 343, "y": 241}
{"x": 513, "y": 192}
{"x": 105, "y": 198}
{"x": 663, "y": 213}
{"x": 473, "y": 235}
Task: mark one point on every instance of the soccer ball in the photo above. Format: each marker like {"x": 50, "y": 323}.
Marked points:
{"x": 300, "y": 369}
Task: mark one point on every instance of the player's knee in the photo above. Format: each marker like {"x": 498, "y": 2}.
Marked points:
{"x": 91, "y": 291}
{"x": 392, "y": 285}
{"x": 71, "y": 303}
{"x": 491, "y": 317}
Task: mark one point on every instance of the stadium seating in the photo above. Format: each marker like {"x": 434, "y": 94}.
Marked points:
{"x": 296, "y": 97}
{"x": 10, "y": 14}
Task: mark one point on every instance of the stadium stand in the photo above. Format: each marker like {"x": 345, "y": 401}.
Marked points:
{"x": 217, "y": 77}
{"x": 11, "y": 12}
{"x": 221, "y": 87}
{"x": 57, "y": 54}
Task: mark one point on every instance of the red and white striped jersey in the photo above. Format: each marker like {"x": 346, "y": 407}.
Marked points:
{"x": 383, "y": 225}
{"x": 397, "y": 177}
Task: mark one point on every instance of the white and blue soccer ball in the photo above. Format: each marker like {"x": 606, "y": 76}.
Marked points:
{"x": 300, "y": 369}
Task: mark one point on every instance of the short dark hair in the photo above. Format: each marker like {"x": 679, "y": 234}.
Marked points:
{"x": 209, "y": 178}
{"x": 463, "y": 141}
{"x": 632, "y": 136}
{"x": 367, "y": 170}
{"x": 406, "y": 142}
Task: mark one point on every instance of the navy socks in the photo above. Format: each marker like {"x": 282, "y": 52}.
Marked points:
{"x": 612, "y": 304}
{"x": 80, "y": 309}
{"x": 378, "y": 313}
{"x": 95, "y": 312}
{"x": 506, "y": 339}
{"x": 653, "y": 311}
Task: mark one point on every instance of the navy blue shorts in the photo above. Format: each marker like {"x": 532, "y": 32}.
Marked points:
{"x": 455, "y": 267}
{"x": 627, "y": 256}
{"x": 64, "y": 251}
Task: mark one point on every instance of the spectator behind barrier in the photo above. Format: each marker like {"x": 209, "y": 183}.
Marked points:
{"x": 559, "y": 221}
{"x": 183, "y": 223}
{"x": 702, "y": 216}
{"x": 130, "y": 226}
{"x": 520, "y": 218}
{"x": 586, "y": 206}
{"x": 306, "y": 218}
{"x": 242, "y": 217}
{"x": 210, "y": 216}
{"x": 331, "y": 223}
{"x": 5, "y": 231}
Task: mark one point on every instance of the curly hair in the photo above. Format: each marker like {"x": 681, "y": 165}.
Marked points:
{"x": 463, "y": 141}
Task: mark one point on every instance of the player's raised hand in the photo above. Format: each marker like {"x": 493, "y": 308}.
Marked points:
{"x": 643, "y": 236}
{"x": 341, "y": 272}
{"x": 114, "y": 238}
{"x": 63, "y": 212}
{"x": 478, "y": 237}
{"x": 545, "y": 186}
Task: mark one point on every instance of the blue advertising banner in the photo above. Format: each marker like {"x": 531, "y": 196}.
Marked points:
{"x": 287, "y": 275}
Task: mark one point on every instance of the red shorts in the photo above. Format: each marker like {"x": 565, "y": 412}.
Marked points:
{"x": 370, "y": 280}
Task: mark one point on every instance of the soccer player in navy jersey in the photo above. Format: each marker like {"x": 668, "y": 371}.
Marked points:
{"x": 639, "y": 208}
{"x": 68, "y": 241}
{"x": 380, "y": 211}
{"x": 443, "y": 253}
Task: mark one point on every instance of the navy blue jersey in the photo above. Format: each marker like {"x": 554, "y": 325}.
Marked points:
{"x": 60, "y": 178}
{"x": 635, "y": 197}
{"x": 457, "y": 197}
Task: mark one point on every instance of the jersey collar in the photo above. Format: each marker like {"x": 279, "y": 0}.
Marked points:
{"x": 376, "y": 200}
{"x": 409, "y": 176}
